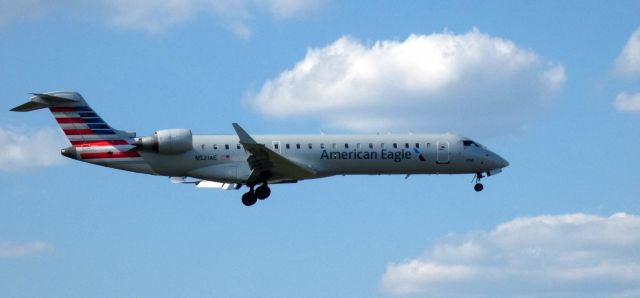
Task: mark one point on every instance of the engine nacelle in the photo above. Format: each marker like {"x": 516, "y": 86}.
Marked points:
{"x": 167, "y": 141}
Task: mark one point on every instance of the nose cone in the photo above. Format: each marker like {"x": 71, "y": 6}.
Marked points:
{"x": 501, "y": 162}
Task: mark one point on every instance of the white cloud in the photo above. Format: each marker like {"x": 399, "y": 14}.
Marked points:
{"x": 150, "y": 15}
{"x": 471, "y": 83}
{"x": 159, "y": 15}
{"x": 291, "y": 8}
{"x": 574, "y": 255}
{"x": 24, "y": 148}
{"x": 628, "y": 62}
{"x": 13, "y": 249}
{"x": 628, "y": 103}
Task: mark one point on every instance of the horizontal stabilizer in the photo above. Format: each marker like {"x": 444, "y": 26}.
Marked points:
{"x": 54, "y": 98}
{"x": 29, "y": 106}
{"x": 46, "y": 100}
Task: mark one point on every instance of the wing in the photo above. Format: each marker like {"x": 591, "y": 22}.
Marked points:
{"x": 205, "y": 183}
{"x": 267, "y": 164}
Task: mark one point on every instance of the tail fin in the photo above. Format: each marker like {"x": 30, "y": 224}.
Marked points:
{"x": 79, "y": 122}
{"x": 92, "y": 139}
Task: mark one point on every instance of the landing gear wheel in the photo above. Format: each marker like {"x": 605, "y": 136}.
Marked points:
{"x": 249, "y": 198}
{"x": 478, "y": 187}
{"x": 263, "y": 191}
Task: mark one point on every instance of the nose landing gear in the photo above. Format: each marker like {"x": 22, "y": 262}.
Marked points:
{"x": 252, "y": 196}
{"x": 478, "y": 187}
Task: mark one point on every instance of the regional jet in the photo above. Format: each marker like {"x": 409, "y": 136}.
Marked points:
{"x": 256, "y": 161}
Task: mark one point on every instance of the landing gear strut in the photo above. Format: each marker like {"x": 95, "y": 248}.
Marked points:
{"x": 478, "y": 187}
{"x": 252, "y": 196}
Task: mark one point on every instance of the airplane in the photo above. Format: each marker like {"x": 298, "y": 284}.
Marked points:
{"x": 256, "y": 161}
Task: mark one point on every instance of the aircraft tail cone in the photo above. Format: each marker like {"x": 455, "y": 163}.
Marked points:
{"x": 70, "y": 152}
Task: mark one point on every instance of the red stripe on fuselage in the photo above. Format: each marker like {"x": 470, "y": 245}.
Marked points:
{"x": 118, "y": 154}
{"x": 69, "y": 120}
{"x": 98, "y": 143}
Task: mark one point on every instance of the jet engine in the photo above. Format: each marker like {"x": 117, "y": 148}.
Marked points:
{"x": 167, "y": 141}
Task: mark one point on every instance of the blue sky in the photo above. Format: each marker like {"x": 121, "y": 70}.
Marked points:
{"x": 552, "y": 86}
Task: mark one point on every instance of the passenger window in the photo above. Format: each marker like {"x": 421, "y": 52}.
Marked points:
{"x": 395, "y": 145}
{"x": 417, "y": 145}
{"x": 358, "y": 146}
{"x": 406, "y": 145}
{"x": 226, "y": 146}
{"x": 428, "y": 145}
{"x": 238, "y": 146}
{"x": 346, "y": 146}
{"x": 297, "y": 146}
{"x": 215, "y": 146}
{"x": 370, "y": 145}
{"x": 381, "y": 145}
{"x": 333, "y": 146}
{"x": 287, "y": 146}
{"x": 276, "y": 146}
{"x": 310, "y": 147}
{"x": 321, "y": 145}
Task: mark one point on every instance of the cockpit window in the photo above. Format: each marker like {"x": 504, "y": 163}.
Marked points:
{"x": 469, "y": 143}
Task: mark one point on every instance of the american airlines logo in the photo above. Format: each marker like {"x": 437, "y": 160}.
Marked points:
{"x": 420, "y": 156}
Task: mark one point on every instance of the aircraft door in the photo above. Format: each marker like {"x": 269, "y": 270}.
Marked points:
{"x": 442, "y": 152}
{"x": 275, "y": 145}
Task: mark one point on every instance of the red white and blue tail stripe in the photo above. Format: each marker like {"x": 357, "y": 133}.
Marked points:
{"x": 85, "y": 129}
{"x": 92, "y": 139}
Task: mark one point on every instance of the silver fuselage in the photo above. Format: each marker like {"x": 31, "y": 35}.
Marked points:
{"x": 222, "y": 158}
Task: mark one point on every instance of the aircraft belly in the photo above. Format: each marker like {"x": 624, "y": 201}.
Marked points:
{"x": 141, "y": 167}
{"x": 232, "y": 172}
{"x": 205, "y": 168}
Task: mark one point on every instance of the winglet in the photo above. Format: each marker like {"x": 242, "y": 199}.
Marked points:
{"x": 245, "y": 138}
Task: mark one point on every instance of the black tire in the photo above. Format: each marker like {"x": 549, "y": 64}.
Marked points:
{"x": 263, "y": 192}
{"x": 478, "y": 187}
{"x": 249, "y": 198}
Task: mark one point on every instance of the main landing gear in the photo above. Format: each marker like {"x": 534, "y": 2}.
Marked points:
{"x": 478, "y": 187}
{"x": 252, "y": 196}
